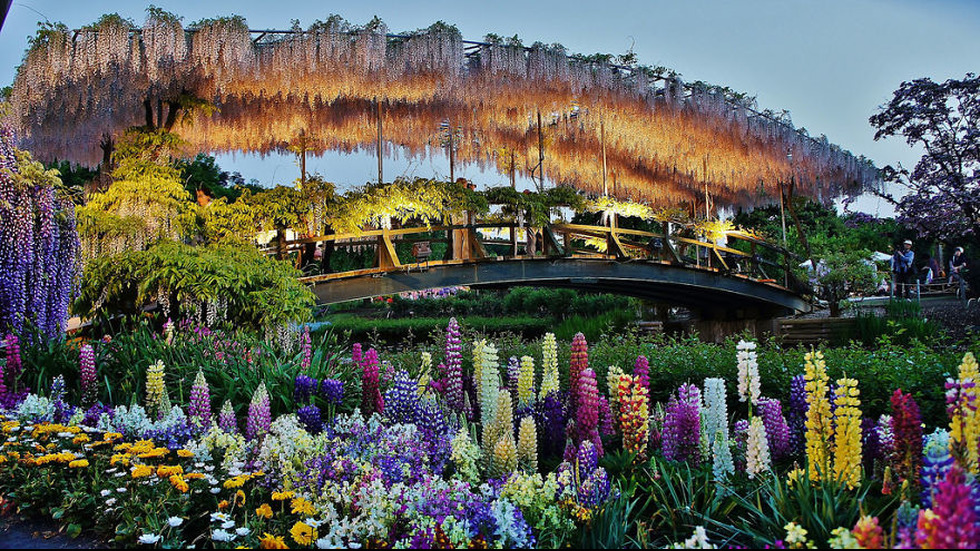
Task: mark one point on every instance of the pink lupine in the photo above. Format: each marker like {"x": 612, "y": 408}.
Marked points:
{"x": 86, "y": 361}
{"x": 371, "y": 400}
{"x": 579, "y": 363}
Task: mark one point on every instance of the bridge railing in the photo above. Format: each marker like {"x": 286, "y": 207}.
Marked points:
{"x": 743, "y": 255}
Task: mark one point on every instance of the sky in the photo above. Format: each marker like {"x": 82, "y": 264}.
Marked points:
{"x": 830, "y": 63}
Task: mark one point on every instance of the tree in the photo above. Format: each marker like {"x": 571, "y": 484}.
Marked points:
{"x": 944, "y": 191}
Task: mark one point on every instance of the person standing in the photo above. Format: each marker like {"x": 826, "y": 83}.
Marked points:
{"x": 958, "y": 267}
{"x": 902, "y": 270}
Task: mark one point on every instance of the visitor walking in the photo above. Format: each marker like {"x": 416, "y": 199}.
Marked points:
{"x": 903, "y": 272}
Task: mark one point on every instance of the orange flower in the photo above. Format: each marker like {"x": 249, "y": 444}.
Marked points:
{"x": 223, "y": 504}
{"x": 302, "y": 533}
{"x": 141, "y": 471}
{"x": 178, "y": 482}
{"x": 164, "y": 471}
{"x": 302, "y": 507}
{"x": 264, "y": 511}
{"x": 239, "y": 498}
{"x": 185, "y": 453}
{"x": 283, "y": 496}
{"x": 268, "y": 541}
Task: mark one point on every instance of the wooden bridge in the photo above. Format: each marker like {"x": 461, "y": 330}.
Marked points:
{"x": 747, "y": 274}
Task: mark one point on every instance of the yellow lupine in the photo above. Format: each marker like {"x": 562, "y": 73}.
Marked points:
{"x": 847, "y": 433}
{"x": 525, "y": 381}
{"x": 965, "y": 426}
{"x": 819, "y": 421}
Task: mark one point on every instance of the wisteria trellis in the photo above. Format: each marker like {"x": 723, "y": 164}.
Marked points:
{"x": 664, "y": 141}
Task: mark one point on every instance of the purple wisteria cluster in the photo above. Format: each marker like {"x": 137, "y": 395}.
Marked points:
{"x": 38, "y": 247}
{"x": 682, "y": 425}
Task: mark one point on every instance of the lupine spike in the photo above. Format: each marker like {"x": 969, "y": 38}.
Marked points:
{"x": 371, "y": 400}
{"x": 226, "y": 418}
{"x": 847, "y": 433}
{"x": 757, "y": 459}
{"x": 748, "y": 373}
{"x": 819, "y": 423}
{"x": 578, "y": 363}
{"x": 425, "y": 373}
{"x": 200, "y": 401}
{"x": 549, "y": 366}
{"x": 965, "y": 422}
{"x": 681, "y": 435}
{"x": 454, "y": 350}
{"x": 587, "y": 412}
{"x": 525, "y": 381}
{"x": 634, "y": 418}
{"x": 641, "y": 370}
{"x": 155, "y": 386}
{"x": 906, "y": 460}
{"x": 513, "y": 372}
{"x": 259, "y": 414}
{"x": 527, "y": 445}
{"x": 89, "y": 379}
{"x": 306, "y": 347}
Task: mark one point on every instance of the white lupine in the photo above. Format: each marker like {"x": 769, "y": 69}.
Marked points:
{"x": 748, "y": 373}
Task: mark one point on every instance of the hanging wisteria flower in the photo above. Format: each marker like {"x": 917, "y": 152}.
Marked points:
{"x": 748, "y": 373}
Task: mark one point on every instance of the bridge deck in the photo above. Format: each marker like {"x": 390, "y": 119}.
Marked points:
{"x": 701, "y": 288}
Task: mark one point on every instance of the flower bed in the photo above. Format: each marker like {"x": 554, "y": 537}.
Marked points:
{"x": 536, "y": 451}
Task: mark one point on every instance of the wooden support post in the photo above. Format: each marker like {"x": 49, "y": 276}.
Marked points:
{"x": 386, "y": 257}
{"x": 614, "y": 246}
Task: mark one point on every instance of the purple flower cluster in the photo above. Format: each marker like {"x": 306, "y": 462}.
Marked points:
{"x": 259, "y": 414}
{"x": 14, "y": 367}
{"x": 311, "y": 418}
{"x": 582, "y": 472}
{"x": 38, "y": 249}
{"x": 777, "y": 430}
{"x": 303, "y": 388}
{"x": 453, "y": 367}
{"x": 796, "y": 414}
{"x": 682, "y": 425}
{"x": 550, "y": 419}
{"x": 641, "y": 370}
{"x": 199, "y": 408}
{"x": 332, "y": 390}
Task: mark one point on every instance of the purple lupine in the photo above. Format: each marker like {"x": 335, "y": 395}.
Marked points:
{"x": 89, "y": 379}
{"x": 681, "y": 434}
{"x": 740, "y": 436}
{"x": 641, "y": 370}
{"x": 513, "y": 370}
{"x": 259, "y": 414}
{"x": 226, "y": 418}
{"x": 311, "y": 418}
{"x": 454, "y": 349}
{"x": 871, "y": 449}
{"x": 607, "y": 425}
{"x": 199, "y": 409}
{"x": 402, "y": 401}
{"x": 332, "y": 390}
{"x": 587, "y": 414}
{"x": 307, "y": 349}
{"x": 551, "y": 423}
{"x": 777, "y": 431}
{"x": 14, "y": 365}
{"x": 936, "y": 463}
{"x": 303, "y": 388}
{"x": 371, "y": 400}
{"x": 796, "y": 414}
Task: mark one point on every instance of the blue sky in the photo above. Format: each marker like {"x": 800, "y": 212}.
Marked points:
{"x": 831, "y": 63}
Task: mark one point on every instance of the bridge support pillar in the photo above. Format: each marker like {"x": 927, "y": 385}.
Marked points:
{"x": 386, "y": 257}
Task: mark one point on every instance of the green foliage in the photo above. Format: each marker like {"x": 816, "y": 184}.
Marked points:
{"x": 254, "y": 291}
{"x": 536, "y": 207}
{"x": 406, "y": 331}
{"x": 424, "y": 201}
{"x": 817, "y": 508}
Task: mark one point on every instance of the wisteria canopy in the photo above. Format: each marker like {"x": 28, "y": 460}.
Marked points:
{"x": 664, "y": 141}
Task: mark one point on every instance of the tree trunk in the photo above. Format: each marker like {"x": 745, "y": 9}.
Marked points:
{"x": 148, "y": 107}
